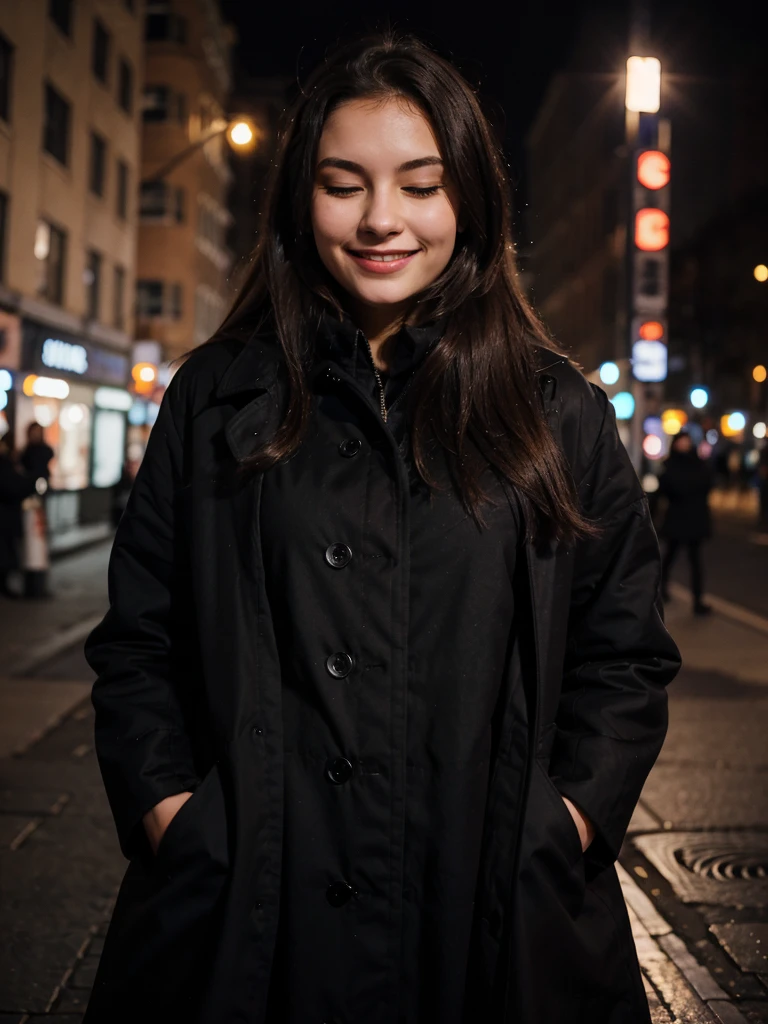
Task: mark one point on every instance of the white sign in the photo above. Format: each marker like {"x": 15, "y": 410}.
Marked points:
{"x": 649, "y": 361}
{"x": 61, "y": 355}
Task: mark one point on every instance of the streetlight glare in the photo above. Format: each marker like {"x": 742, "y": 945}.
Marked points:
{"x": 761, "y": 272}
{"x": 643, "y": 85}
{"x": 609, "y": 373}
{"x": 699, "y": 398}
{"x": 759, "y": 373}
{"x": 241, "y": 133}
{"x": 758, "y": 431}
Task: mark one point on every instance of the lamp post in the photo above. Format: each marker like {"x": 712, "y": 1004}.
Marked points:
{"x": 241, "y": 133}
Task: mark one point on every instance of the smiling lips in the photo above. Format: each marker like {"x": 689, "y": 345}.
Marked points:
{"x": 380, "y": 262}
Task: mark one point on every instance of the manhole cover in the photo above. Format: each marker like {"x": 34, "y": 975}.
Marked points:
{"x": 727, "y": 868}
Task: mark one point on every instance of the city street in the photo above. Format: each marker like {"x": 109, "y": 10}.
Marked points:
{"x": 694, "y": 867}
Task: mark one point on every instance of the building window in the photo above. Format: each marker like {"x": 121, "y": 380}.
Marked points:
{"x": 3, "y": 231}
{"x": 98, "y": 164}
{"x": 159, "y": 202}
{"x": 158, "y": 299}
{"x": 125, "y": 86}
{"x": 56, "y": 125}
{"x": 50, "y": 252}
{"x": 118, "y": 298}
{"x": 60, "y": 13}
{"x": 209, "y": 313}
{"x": 6, "y": 69}
{"x": 155, "y": 103}
{"x": 92, "y": 279}
{"x": 122, "y": 189}
{"x": 100, "y": 57}
{"x": 162, "y": 25}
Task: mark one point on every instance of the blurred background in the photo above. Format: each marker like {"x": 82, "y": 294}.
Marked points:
{"x": 135, "y": 140}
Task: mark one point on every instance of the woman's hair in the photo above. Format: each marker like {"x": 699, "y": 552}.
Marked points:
{"x": 476, "y": 396}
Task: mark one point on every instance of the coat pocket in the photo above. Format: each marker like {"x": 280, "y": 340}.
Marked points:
{"x": 197, "y": 833}
{"x": 571, "y": 839}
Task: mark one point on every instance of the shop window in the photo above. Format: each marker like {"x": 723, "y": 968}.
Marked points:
{"x": 6, "y": 71}
{"x": 125, "y": 86}
{"x": 118, "y": 297}
{"x": 108, "y": 447}
{"x": 100, "y": 54}
{"x": 98, "y": 164}
{"x": 92, "y": 279}
{"x": 56, "y": 124}
{"x": 73, "y": 452}
{"x": 155, "y": 103}
{"x": 122, "y": 190}
{"x": 50, "y": 252}
{"x": 3, "y": 232}
{"x": 60, "y": 13}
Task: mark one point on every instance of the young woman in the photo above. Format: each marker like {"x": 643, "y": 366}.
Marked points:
{"x": 383, "y": 672}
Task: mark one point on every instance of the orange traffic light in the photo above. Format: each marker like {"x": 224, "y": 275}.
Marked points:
{"x": 653, "y": 169}
{"x": 651, "y": 229}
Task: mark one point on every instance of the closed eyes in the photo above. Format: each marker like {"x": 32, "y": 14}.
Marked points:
{"x": 418, "y": 192}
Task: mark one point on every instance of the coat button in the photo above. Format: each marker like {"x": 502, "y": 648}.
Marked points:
{"x": 339, "y": 893}
{"x": 350, "y": 447}
{"x": 338, "y": 555}
{"x": 339, "y": 770}
{"x": 339, "y": 665}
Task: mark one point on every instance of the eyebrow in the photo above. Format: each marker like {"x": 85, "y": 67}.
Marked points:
{"x": 350, "y": 165}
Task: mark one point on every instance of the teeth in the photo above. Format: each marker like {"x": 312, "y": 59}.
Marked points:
{"x": 386, "y": 257}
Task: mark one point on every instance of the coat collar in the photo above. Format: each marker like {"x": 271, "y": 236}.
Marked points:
{"x": 254, "y": 368}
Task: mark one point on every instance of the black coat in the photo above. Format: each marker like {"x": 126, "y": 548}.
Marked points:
{"x": 14, "y": 488}
{"x": 686, "y": 482}
{"x": 188, "y": 696}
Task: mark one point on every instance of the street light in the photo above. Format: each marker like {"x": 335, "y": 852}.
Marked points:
{"x": 643, "y": 85}
{"x": 761, "y": 272}
{"x": 241, "y": 133}
{"x": 759, "y": 374}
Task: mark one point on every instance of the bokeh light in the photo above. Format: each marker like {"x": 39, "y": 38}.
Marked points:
{"x": 758, "y": 431}
{"x": 624, "y": 404}
{"x": 609, "y": 373}
{"x": 652, "y": 446}
{"x": 761, "y": 272}
{"x": 759, "y": 373}
{"x": 699, "y": 398}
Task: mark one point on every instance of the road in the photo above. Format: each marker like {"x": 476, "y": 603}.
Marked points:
{"x": 694, "y": 866}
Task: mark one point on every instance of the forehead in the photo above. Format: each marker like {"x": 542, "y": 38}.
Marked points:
{"x": 374, "y": 132}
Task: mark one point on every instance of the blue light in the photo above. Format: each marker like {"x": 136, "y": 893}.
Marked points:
{"x": 737, "y": 421}
{"x": 137, "y": 414}
{"x": 699, "y": 398}
{"x": 6, "y": 381}
{"x": 609, "y": 373}
{"x": 3, "y": 399}
{"x": 624, "y": 404}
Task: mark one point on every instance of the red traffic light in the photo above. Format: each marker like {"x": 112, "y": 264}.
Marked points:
{"x": 651, "y": 330}
{"x": 653, "y": 169}
{"x": 651, "y": 229}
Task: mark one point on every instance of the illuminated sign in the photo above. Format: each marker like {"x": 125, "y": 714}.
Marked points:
{"x": 653, "y": 169}
{"x": 62, "y": 355}
{"x": 649, "y": 361}
{"x": 651, "y": 229}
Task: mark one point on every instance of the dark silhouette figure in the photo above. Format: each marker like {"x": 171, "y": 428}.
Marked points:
{"x": 37, "y": 454}
{"x": 686, "y": 483}
{"x": 14, "y": 488}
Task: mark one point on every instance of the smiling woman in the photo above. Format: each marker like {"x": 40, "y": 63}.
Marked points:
{"x": 383, "y": 672}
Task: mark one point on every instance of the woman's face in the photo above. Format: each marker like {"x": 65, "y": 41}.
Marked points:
{"x": 384, "y": 216}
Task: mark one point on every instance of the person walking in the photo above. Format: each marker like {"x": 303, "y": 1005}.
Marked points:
{"x": 384, "y": 668}
{"x": 15, "y": 486}
{"x": 685, "y": 482}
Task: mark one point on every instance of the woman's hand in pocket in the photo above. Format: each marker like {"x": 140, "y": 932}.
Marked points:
{"x": 581, "y": 821}
{"x": 160, "y": 817}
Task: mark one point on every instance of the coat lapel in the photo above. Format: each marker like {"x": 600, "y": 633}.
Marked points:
{"x": 254, "y": 371}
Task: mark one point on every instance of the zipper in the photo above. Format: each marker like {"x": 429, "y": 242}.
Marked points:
{"x": 379, "y": 382}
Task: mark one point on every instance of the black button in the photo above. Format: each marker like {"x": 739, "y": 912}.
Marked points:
{"x": 350, "y": 447}
{"x": 338, "y": 555}
{"x": 339, "y": 770}
{"x": 256, "y": 732}
{"x": 339, "y": 665}
{"x": 339, "y": 893}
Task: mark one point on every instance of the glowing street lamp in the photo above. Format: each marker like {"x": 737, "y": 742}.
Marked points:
{"x": 643, "y": 85}
{"x": 761, "y": 272}
{"x": 759, "y": 374}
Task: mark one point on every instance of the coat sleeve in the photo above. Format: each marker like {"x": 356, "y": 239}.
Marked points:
{"x": 142, "y": 746}
{"x": 612, "y": 715}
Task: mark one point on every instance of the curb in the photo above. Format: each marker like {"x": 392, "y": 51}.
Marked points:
{"x": 659, "y": 949}
{"x": 728, "y": 609}
{"x": 51, "y": 648}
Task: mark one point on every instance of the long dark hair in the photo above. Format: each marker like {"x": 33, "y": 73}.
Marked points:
{"x": 476, "y": 396}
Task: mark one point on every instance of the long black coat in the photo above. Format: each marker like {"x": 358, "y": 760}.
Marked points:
{"x": 686, "y": 482}
{"x": 14, "y": 488}
{"x": 188, "y": 696}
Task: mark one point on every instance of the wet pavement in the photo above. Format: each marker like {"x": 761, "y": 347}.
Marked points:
{"x": 694, "y": 866}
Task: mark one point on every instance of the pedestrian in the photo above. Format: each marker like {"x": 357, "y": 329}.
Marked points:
{"x": 685, "y": 483}
{"x": 762, "y": 489}
{"x": 384, "y": 671}
{"x": 37, "y": 454}
{"x": 15, "y": 486}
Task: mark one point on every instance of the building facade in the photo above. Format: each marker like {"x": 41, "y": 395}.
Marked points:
{"x": 69, "y": 165}
{"x": 184, "y": 262}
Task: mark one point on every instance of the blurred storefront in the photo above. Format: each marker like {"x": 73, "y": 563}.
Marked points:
{"x": 77, "y": 391}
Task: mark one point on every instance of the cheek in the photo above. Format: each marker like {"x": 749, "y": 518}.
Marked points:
{"x": 437, "y": 226}
{"x": 330, "y": 221}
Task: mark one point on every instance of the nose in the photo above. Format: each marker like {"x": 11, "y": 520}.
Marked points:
{"x": 381, "y": 215}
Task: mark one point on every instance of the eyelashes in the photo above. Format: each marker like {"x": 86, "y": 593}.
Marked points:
{"x": 415, "y": 191}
